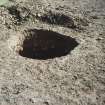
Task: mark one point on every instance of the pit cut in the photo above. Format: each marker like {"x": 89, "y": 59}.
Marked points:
{"x": 45, "y": 44}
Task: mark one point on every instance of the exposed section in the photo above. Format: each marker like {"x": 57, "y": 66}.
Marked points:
{"x": 57, "y": 19}
{"x": 43, "y": 44}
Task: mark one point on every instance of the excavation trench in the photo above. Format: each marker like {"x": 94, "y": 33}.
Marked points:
{"x": 44, "y": 44}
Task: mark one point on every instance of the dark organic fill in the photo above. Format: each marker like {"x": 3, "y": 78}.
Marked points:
{"x": 16, "y": 13}
{"x": 57, "y": 19}
{"x": 44, "y": 44}
{"x": 20, "y": 15}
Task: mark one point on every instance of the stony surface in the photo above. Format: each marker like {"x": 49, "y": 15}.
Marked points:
{"x": 75, "y": 79}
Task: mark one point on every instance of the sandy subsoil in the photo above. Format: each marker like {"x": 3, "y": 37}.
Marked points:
{"x": 52, "y": 52}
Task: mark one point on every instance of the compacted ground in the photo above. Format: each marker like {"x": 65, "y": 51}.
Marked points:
{"x": 52, "y": 52}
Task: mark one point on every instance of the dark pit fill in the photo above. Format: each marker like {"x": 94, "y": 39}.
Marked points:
{"x": 57, "y": 19}
{"x": 45, "y": 44}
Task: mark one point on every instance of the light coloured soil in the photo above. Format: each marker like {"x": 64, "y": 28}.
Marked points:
{"x": 77, "y": 78}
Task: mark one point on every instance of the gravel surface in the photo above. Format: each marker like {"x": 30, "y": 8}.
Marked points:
{"x": 76, "y": 77}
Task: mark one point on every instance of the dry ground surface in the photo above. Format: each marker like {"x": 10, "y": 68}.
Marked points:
{"x": 52, "y": 52}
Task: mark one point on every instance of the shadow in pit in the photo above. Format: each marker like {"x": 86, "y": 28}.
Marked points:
{"x": 44, "y": 44}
